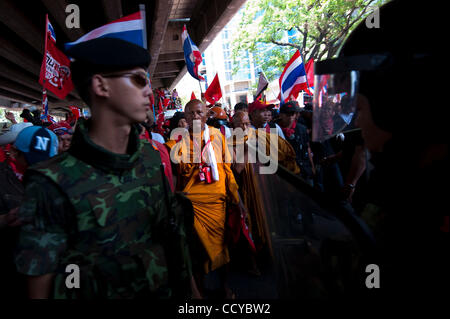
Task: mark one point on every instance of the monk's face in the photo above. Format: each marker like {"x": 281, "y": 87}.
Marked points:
{"x": 195, "y": 110}
{"x": 241, "y": 120}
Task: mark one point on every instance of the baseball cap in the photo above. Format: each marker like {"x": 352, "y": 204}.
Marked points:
{"x": 37, "y": 144}
{"x": 258, "y": 105}
{"x": 11, "y": 135}
{"x": 289, "y": 107}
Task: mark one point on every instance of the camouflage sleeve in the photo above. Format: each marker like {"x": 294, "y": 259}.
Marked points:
{"x": 43, "y": 236}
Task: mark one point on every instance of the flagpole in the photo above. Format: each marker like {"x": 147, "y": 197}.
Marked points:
{"x": 200, "y": 85}
{"x": 304, "y": 67}
{"x": 44, "y": 91}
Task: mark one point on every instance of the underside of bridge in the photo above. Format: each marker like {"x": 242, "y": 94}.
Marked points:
{"x": 22, "y": 28}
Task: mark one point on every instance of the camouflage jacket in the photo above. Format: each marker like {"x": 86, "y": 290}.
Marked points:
{"x": 110, "y": 215}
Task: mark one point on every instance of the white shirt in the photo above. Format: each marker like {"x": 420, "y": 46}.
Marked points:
{"x": 279, "y": 130}
{"x": 158, "y": 137}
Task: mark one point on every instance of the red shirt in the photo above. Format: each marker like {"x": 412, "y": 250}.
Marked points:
{"x": 165, "y": 158}
{"x": 18, "y": 169}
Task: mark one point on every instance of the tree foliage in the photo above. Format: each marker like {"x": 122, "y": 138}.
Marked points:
{"x": 321, "y": 25}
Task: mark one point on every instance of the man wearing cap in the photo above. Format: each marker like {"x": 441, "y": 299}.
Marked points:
{"x": 31, "y": 145}
{"x": 104, "y": 205}
{"x": 64, "y": 132}
{"x": 296, "y": 134}
{"x": 260, "y": 115}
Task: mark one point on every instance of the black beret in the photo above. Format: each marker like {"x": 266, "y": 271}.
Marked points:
{"x": 109, "y": 53}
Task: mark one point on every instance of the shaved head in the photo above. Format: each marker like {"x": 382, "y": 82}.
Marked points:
{"x": 193, "y": 103}
{"x": 241, "y": 119}
{"x": 195, "y": 110}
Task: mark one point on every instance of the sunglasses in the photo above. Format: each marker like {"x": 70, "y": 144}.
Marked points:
{"x": 140, "y": 79}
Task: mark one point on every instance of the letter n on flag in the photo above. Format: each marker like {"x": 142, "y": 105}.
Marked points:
{"x": 55, "y": 73}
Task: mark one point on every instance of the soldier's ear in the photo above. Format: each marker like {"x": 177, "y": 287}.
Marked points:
{"x": 100, "y": 86}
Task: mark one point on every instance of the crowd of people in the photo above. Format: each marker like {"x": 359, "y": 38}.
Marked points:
{"x": 153, "y": 211}
{"x": 164, "y": 99}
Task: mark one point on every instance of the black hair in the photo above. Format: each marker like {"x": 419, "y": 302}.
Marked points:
{"x": 240, "y": 106}
{"x": 176, "y": 119}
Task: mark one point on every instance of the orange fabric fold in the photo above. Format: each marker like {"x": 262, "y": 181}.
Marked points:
{"x": 208, "y": 200}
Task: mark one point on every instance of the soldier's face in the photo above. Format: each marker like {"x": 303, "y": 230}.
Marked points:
{"x": 129, "y": 94}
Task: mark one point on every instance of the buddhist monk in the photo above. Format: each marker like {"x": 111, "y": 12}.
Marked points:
{"x": 205, "y": 176}
{"x": 246, "y": 175}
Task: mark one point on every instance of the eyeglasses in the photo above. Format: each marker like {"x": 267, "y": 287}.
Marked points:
{"x": 140, "y": 79}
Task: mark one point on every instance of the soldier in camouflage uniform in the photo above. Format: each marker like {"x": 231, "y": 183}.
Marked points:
{"x": 104, "y": 205}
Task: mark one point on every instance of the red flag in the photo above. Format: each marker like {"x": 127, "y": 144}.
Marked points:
{"x": 213, "y": 93}
{"x": 166, "y": 102}
{"x": 193, "y": 97}
{"x": 159, "y": 123}
{"x": 55, "y": 68}
{"x": 309, "y": 68}
{"x": 76, "y": 112}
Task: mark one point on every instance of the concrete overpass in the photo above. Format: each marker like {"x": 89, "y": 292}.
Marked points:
{"x": 22, "y": 27}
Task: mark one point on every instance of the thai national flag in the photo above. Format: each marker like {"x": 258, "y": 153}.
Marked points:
{"x": 130, "y": 28}
{"x": 192, "y": 55}
{"x": 293, "y": 78}
{"x": 45, "y": 117}
{"x": 51, "y": 31}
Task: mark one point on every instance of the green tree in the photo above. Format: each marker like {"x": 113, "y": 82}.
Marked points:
{"x": 322, "y": 26}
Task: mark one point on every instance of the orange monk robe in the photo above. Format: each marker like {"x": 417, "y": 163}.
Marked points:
{"x": 250, "y": 191}
{"x": 208, "y": 200}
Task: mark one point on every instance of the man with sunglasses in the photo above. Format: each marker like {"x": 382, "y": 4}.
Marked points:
{"x": 104, "y": 205}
